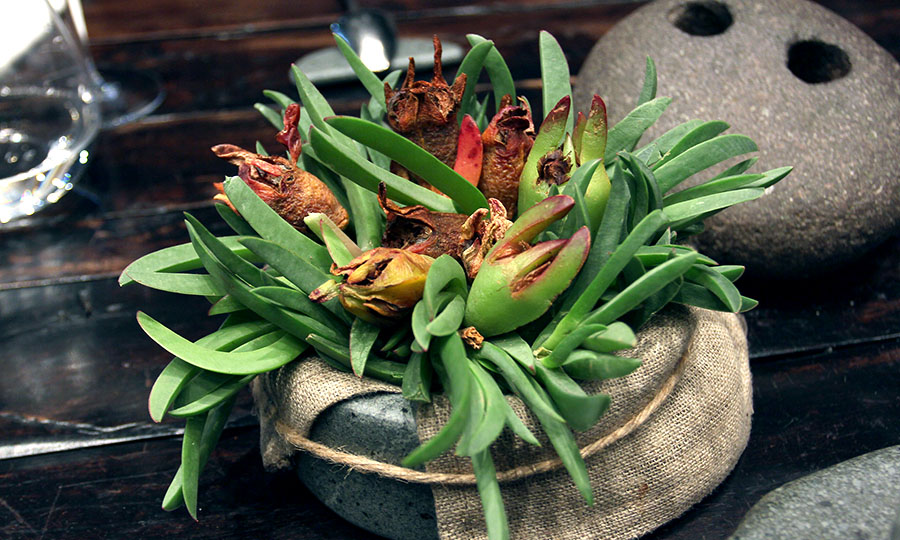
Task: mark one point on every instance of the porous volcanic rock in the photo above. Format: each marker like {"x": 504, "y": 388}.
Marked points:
{"x": 810, "y": 88}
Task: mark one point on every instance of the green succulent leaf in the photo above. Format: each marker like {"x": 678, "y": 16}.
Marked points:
{"x": 648, "y": 90}
{"x": 588, "y": 365}
{"x": 555, "y": 78}
{"x": 362, "y": 339}
{"x": 417, "y": 379}
{"x": 471, "y": 65}
{"x": 491, "y": 499}
{"x": 369, "y": 80}
{"x": 626, "y": 134}
{"x": 413, "y": 157}
{"x": 700, "y": 157}
{"x": 497, "y": 70}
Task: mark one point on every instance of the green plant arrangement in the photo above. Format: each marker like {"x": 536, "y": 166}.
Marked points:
{"x": 444, "y": 242}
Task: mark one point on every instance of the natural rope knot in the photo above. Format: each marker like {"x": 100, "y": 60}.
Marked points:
{"x": 368, "y": 465}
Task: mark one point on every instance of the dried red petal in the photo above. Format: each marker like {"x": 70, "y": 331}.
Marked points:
{"x": 290, "y": 135}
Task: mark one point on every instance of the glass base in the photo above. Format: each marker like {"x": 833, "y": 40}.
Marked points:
{"x": 128, "y": 95}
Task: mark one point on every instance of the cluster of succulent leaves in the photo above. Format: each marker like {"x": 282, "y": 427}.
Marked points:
{"x": 261, "y": 277}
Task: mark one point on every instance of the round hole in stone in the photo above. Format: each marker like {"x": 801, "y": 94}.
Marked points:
{"x": 815, "y": 62}
{"x": 701, "y": 18}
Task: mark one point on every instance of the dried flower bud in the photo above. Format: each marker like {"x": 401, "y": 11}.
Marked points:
{"x": 482, "y": 234}
{"x": 383, "y": 284}
{"x": 419, "y": 230}
{"x": 507, "y": 141}
{"x": 292, "y": 192}
{"x": 554, "y": 167}
{"x": 425, "y": 112}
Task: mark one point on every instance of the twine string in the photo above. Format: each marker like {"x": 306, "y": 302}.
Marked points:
{"x": 368, "y": 465}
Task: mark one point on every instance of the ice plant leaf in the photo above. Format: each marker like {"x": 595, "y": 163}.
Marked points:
{"x": 555, "y": 78}
{"x": 188, "y": 284}
{"x": 518, "y": 381}
{"x": 271, "y": 226}
{"x": 497, "y": 70}
{"x": 580, "y": 410}
{"x": 417, "y": 379}
{"x": 717, "y": 284}
{"x": 282, "y": 351}
{"x": 692, "y": 294}
{"x": 593, "y": 366}
{"x": 449, "y": 319}
{"x": 341, "y": 248}
{"x": 369, "y": 175}
{"x": 212, "y": 429}
{"x": 699, "y": 134}
{"x": 702, "y": 156}
{"x": 415, "y": 159}
{"x": 684, "y": 212}
{"x": 653, "y": 151}
{"x": 471, "y": 66}
{"x": 491, "y": 499}
{"x": 607, "y": 273}
{"x": 616, "y": 337}
{"x": 177, "y": 259}
{"x": 175, "y": 375}
{"x": 573, "y": 339}
{"x": 648, "y": 90}
{"x": 626, "y": 134}
{"x": 213, "y": 398}
{"x": 369, "y": 80}
{"x": 362, "y": 338}
{"x": 517, "y": 348}
{"x": 640, "y": 290}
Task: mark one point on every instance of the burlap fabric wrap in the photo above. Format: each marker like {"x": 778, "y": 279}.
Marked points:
{"x": 649, "y": 476}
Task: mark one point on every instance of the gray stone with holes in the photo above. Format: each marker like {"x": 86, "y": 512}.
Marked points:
{"x": 810, "y": 88}
{"x": 858, "y": 499}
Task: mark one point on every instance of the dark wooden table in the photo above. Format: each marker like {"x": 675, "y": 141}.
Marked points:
{"x": 79, "y": 455}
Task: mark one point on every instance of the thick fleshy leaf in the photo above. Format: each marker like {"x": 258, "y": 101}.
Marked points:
{"x": 555, "y": 78}
{"x": 569, "y": 343}
{"x": 701, "y": 133}
{"x": 593, "y": 366}
{"x": 685, "y": 212}
{"x": 471, "y": 65}
{"x": 414, "y": 158}
{"x": 640, "y": 290}
{"x": 362, "y": 338}
{"x": 701, "y": 157}
{"x": 648, "y": 90}
{"x": 368, "y": 175}
{"x": 469, "y": 151}
{"x": 178, "y": 258}
{"x": 271, "y": 226}
{"x": 616, "y": 337}
{"x": 580, "y": 410}
{"x": 491, "y": 499}
{"x": 341, "y": 248}
{"x": 282, "y": 351}
{"x": 717, "y": 284}
{"x": 417, "y": 379}
{"x": 497, "y": 70}
{"x": 369, "y": 80}
{"x": 626, "y": 134}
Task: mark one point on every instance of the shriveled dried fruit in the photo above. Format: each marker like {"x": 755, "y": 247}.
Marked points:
{"x": 382, "y": 284}
{"x": 507, "y": 141}
{"x": 425, "y": 111}
{"x": 419, "y": 230}
{"x": 289, "y": 190}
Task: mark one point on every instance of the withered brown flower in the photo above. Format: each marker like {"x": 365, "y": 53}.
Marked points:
{"x": 289, "y": 190}
{"x": 507, "y": 141}
{"x": 382, "y": 284}
{"x": 425, "y": 111}
{"x": 481, "y": 232}
{"x": 419, "y": 230}
{"x": 554, "y": 167}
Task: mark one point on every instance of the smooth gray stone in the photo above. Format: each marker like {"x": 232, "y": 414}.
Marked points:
{"x": 383, "y": 427}
{"x": 841, "y": 136}
{"x": 857, "y": 499}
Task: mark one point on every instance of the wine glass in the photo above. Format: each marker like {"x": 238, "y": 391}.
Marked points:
{"x": 49, "y": 114}
{"x": 126, "y": 94}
